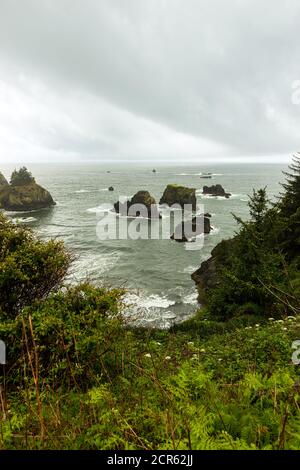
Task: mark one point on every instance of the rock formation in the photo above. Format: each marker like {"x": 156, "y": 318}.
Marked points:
{"x": 142, "y": 198}
{"x": 188, "y": 230}
{"x": 24, "y": 194}
{"x": 206, "y": 277}
{"x": 111, "y": 188}
{"x": 175, "y": 194}
{"x": 216, "y": 190}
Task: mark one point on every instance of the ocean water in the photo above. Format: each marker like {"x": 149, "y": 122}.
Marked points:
{"x": 156, "y": 273}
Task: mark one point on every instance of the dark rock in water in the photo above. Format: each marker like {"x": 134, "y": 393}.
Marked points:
{"x": 154, "y": 171}
{"x": 188, "y": 230}
{"x": 175, "y": 194}
{"x": 148, "y": 207}
{"x": 3, "y": 182}
{"x": 216, "y": 190}
{"x": 206, "y": 277}
{"x": 23, "y": 196}
{"x": 111, "y": 188}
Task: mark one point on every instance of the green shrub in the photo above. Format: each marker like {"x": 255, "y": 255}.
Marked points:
{"x": 29, "y": 268}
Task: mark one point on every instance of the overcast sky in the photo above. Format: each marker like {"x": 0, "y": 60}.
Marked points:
{"x": 149, "y": 80}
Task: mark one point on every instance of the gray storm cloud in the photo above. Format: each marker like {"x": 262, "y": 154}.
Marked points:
{"x": 140, "y": 80}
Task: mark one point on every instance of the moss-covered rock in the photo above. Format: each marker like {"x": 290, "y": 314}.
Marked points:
{"x": 175, "y": 194}
{"x": 141, "y": 198}
{"x": 24, "y": 198}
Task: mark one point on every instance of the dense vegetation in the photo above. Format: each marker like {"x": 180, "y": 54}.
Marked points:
{"x": 258, "y": 271}
{"x": 78, "y": 377}
{"x": 21, "y": 177}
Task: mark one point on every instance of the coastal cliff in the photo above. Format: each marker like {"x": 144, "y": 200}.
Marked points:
{"x": 206, "y": 277}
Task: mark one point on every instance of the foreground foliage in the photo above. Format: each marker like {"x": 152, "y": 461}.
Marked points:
{"x": 203, "y": 385}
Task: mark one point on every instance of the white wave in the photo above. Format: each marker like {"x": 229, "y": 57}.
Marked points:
{"x": 191, "y": 299}
{"x": 147, "y": 301}
{"x": 190, "y": 269}
{"x": 92, "y": 266}
{"x": 84, "y": 191}
{"x": 149, "y": 310}
{"x": 209, "y": 196}
{"x": 215, "y": 230}
{"x": 25, "y": 220}
{"x": 244, "y": 200}
{"x": 203, "y": 196}
{"x": 100, "y": 209}
{"x": 169, "y": 316}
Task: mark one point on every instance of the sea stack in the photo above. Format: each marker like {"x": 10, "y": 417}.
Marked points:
{"x": 23, "y": 193}
{"x": 145, "y": 200}
{"x": 175, "y": 194}
{"x": 188, "y": 230}
{"x": 216, "y": 190}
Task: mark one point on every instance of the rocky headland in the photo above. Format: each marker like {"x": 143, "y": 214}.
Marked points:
{"x": 23, "y": 194}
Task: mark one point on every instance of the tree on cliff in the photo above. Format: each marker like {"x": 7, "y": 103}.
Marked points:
{"x": 261, "y": 272}
{"x": 290, "y": 199}
{"x": 21, "y": 177}
{"x": 289, "y": 206}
